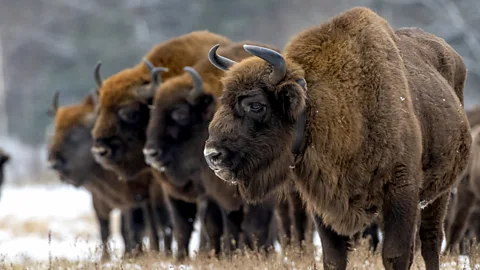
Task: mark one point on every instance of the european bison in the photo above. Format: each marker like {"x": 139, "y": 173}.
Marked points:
{"x": 123, "y": 114}
{"x": 370, "y": 121}
{"x": 4, "y": 158}
{"x": 467, "y": 193}
{"x": 178, "y": 127}
{"x": 69, "y": 155}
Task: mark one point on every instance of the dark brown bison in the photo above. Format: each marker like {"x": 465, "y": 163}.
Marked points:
{"x": 69, "y": 155}
{"x": 4, "y": 158}
{"x": 467, "y": 193}
{"x": 123, "y": 114}
{"x": 370, "y": 121}
{"x": 178, "y": 127}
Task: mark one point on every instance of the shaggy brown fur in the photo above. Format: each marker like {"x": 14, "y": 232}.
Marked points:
{"x": 4, "y": 158}
{"x": 467, "y": 192}
{"x": 385, "y": 132}
{"x": 70, "y": 157}
{"x": 123, "y": 115}
{"x": 127, "y": 94}
{"x": 176, "y": 136}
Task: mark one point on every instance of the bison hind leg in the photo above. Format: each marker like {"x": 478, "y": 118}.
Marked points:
{"x": 431, "y": 231}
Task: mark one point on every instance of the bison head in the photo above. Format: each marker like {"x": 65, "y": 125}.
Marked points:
{"x": 178, "y": 126}
{"x": 253, "y": 132}
{"x": 69, "y": 148}
{"x": 123, "y": 113}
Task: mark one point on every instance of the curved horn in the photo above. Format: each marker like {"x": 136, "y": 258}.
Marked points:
{"x": 197, "y": 80}
{"x": 154, "y": 71}
{"x": 54, "y": 107}
{"x": 218, "y": 61}
{"x": 197, "y": 83}
{"x": 273, "y": 58}
{"x": 96, "y": 74}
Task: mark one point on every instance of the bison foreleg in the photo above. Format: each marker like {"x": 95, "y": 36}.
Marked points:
{"x": 149, "y": 212}
{"x": 183, "y": 216}
{"x": 334, "y": 246}
{"x": 232, "y": 222}
{"x": 212, "y": 223}
{"x": 102, "y": 211}
{"x": 400, "y": 210}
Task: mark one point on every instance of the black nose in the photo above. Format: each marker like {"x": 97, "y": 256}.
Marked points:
{"x": 56, "y": 162}
{"x": 215, "y": 156}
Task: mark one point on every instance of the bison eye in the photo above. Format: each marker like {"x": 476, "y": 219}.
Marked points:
{"x": 180, "y": 115}
{"x": 256, "y": 107}
{"x": 129, "y": 115}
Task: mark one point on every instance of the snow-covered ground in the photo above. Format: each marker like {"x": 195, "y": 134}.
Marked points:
{"x": 28, "y": 215}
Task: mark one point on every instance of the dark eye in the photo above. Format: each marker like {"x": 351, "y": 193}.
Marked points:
{"x": 256, "y": 107}
{"x": 180, "y": 115}
{"x": 129, "y": 115}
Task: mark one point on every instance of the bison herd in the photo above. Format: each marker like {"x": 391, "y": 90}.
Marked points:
{"x": 353, "y": 127}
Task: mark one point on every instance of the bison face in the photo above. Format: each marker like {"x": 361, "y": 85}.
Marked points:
{"x": 177, "y": 131}
{"x": 119, "y": 136}
{"x": 69, "y": 149}
{"x": 252, "y": 133}
{"x": 123, "y": 113}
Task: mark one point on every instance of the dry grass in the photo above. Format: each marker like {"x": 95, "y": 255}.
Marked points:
{"x": 360, "y": 258}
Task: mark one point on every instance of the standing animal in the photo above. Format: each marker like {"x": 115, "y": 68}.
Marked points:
{"x": 176, "y": 134}
{"x": 123, "y": 114}
{"x": 467, "y": 194}
{"x": 69, "y": 155}
{"x": 370, "y": 122}
{"x": 4, "y": 158}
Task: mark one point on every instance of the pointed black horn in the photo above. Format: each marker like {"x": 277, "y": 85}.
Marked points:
{"x": 273, "y": 58}
{"x": 218, "y": 61}
{"x": 154, "y": 71}
{"x": 54, "y": 107}
{"x": 96, "y": 74}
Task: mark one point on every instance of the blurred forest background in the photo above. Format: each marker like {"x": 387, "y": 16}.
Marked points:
{"x": 49, "y": 45}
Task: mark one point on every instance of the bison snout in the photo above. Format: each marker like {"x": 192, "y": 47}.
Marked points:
{"x": 153, "y": 158}
{"x": 100, "y": 152}
{"x": 150, "y": 152}
{"x": 56, "y": 164}
{"x": 214, "y": 157}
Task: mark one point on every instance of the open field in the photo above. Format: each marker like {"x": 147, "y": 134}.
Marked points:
{"x": 53, "y": 227}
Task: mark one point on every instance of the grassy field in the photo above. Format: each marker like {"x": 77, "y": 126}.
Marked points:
{"x": 53, "y": 227}
{"x": 360, "y": 258}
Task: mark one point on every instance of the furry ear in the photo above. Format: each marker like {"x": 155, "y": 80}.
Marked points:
{"x": 292, "y": 96}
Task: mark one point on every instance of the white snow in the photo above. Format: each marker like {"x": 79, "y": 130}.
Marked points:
{"x": 28, "y": 214}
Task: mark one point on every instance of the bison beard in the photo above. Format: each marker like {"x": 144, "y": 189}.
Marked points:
{"x": 378, "y": 146}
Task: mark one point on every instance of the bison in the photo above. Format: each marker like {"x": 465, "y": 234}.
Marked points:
{"x": 467, "y": 193}
{"x": 4, "y": 158}
{"x": 123, "y": 114}
{"x": 370, "y": 122}
{"x": 69, "y": 155}
{"x": 176, "y": 134}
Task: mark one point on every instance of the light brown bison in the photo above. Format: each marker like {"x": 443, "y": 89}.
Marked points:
{"x": 69, "y": 155}
{"x": 123, "y": 114}
{"x": 182, "y": 109}
{"x": 4, "y": 158}
{"x": 467, "y": 193}
{"x": 370, "y": 121}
